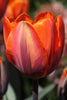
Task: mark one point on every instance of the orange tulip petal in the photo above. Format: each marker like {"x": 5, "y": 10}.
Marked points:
{"x": 13, "y": 48}
{"x": 59, "y": 38}
{"x": 59, "y": 42}
{"x": 9, "y": 13}
{"x": 60, "y": 35}
{"x": 24, "y": 17}
{"x": 43, "y": 16}
{"x": 45, "y": 32}
{"x": 7, "y": 28}
{"x": 17, "y": 8}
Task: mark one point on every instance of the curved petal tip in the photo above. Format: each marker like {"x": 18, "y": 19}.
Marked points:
{"x": 44, "y": 15}
{"x": 24, "y": 17}
{"x": 7, "y": 28}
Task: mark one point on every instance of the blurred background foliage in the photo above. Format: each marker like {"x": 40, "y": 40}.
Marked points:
{"x": 34, "y": 5}
{"x": 20, "y": 87}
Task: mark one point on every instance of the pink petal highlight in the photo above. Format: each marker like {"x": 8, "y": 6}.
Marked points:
{"x": 13, "y": 48}
{"x": 34, "y": 57}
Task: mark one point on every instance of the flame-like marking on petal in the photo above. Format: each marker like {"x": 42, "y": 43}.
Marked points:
{"x": 34, "y": 57}
{"x": 13, "y": 48}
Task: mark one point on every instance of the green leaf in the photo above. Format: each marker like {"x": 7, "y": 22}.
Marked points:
{"x": 10, "y": 94}
{"x": 64, "y": 59}
{"x": 43, "y": 91}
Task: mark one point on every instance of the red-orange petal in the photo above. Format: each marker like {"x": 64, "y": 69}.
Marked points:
{"x": 17, "y": 8}
{"x": 59, "y": 37}
{"x": 59, "y": 42}
{"x": 24, "y": 17}
{"x": 43, "y": 16}
{"x": 60, "y": 34}
{"x": 7, "y": 28}
{"x": 45, "y": 32}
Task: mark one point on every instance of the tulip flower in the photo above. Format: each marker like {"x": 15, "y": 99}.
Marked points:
{"x": 16, "y": 7}
{"x": 62, "y": 87}
{"x": 3, "y": 78}
{"x": 34, "y": 47}
{"x": 3, "y": 4}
